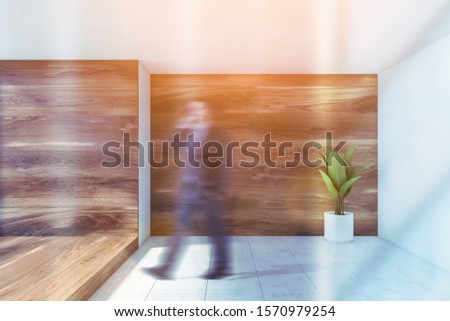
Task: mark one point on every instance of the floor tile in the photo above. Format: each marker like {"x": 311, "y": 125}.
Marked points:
{"x": 119, "y": 297}
{"x": 237, "y": 296}
{"x": 175, "y": 297}
{"x": 180, "y": 286}
{"x": 133, "y": 284}
{"x": 288, "y": 285}
{"x": 282, "y": 268}
{"x": 234, "y": 284}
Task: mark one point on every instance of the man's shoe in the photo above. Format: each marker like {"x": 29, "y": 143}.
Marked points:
{"x": 161, "y": 272}
{"x": 218, "y": 273}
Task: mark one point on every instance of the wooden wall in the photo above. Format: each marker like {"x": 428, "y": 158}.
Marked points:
{"x": 298, "y": 108}
{"x": 55, "y": 116}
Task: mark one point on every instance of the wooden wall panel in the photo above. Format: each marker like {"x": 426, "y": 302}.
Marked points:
{"x": 298, "y": 108}
{"x": 55, "y": 116}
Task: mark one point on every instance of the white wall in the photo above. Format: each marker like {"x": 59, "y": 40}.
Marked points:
{"x": 144, "y": 138}
{"x": 225, "y": 36}
{"x": 414, "y": 153}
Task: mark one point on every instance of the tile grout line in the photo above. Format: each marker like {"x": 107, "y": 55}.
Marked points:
{"x": 343, "y": 262}
{"x": 375, "y": 291}
{"x": 256, "y": 270}
{"x": 154, "y": 282}
{"x": 150, "y": 290}
{"x": 301, "y": 267}
{"x": 390, "y": 264}
{"x": 209, "y": 269}
{"x": 379, "y": 296}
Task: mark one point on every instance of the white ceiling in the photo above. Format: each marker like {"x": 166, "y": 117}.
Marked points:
{"x": 225, "y": 36}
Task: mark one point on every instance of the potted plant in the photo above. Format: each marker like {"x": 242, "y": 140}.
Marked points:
{"x": 339, "y": 176}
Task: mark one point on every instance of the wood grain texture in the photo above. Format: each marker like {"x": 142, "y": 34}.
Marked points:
{"x": 60, "y": 268}
{"x": 66, "y": 223}
{"x": 297, "y": 108}
{"x": 55, "y": 117}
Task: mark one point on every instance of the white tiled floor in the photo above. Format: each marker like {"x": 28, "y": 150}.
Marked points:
{"x": 283, "y": 268}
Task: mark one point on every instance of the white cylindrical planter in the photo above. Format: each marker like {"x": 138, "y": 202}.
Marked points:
{"x": 338, "y": 228}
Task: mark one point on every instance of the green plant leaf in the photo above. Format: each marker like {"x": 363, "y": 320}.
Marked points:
{"x": 323, "y": 158}
{"x": 336, "y": 171}
{"x": 348, "y": 155}
{"x": 327, "y": 155}
{"x": 345, "y": 189}
{"x": 351, "y": 172}
{"x": 366, "y": 167}
{"x": 329, "y": 184}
